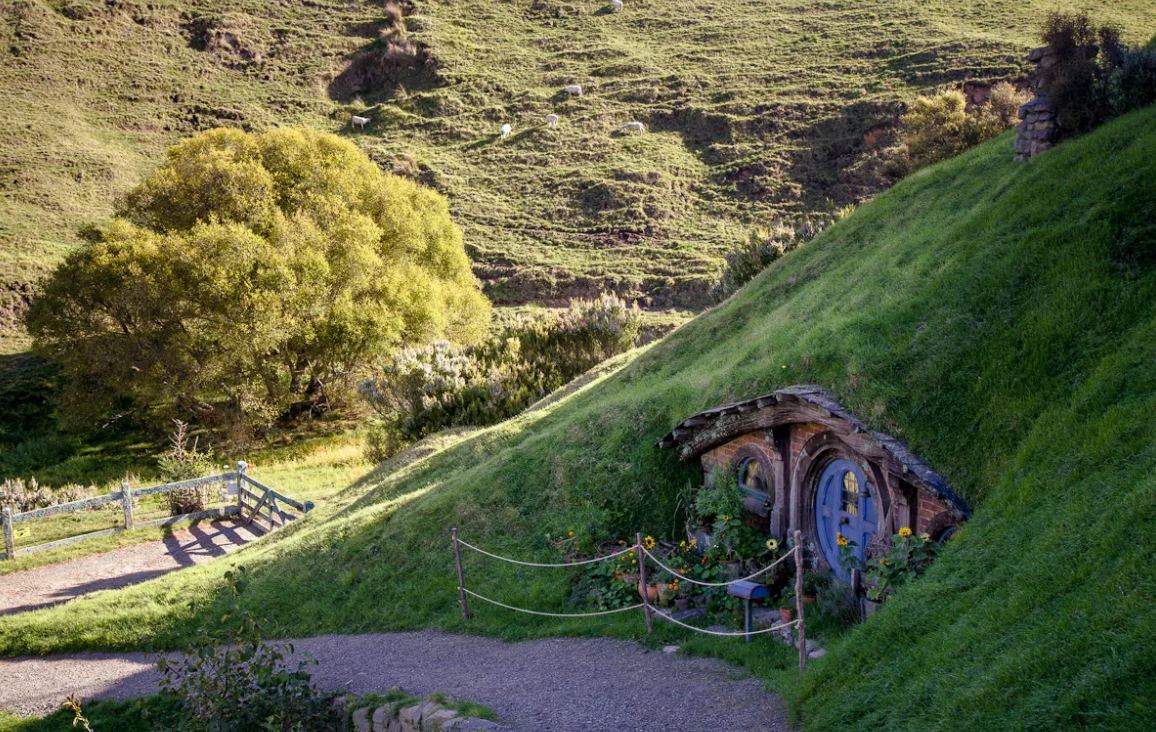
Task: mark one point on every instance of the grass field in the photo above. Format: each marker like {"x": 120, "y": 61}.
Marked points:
{"x": 754, "y": 109}
{"x": 998, "y": 316}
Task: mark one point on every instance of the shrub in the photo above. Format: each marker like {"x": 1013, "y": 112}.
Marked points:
{"x": 1093, "y": 76}
{"x": 230, "y": 680}
{"x": 425, "y": 390}
{"x": 184, "y": 462}
{"x": 764, "y": 246}
{"x": 1073, "y": 80}
{"x": 1132, "y": 84}
{"x": 20, "y": 496}
{"x": 722, "y": 497}
{"x": 250, "y": 271}
{"x": 940, "y": 127}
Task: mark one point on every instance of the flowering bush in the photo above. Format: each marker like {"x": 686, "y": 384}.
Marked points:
{"x": 424, "y": 390}
{"x": 908, "y": 557}
{"x": 20, "y": 496}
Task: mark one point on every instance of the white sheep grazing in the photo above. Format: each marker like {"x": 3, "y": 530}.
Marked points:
{"x": 551, "y": 120}
{"x": 634, "y": 127}
{"x": 506, "y": 130}
{"x": 617, "y": 4}
{"x": 573, "y": 90}
{"x": 360, "y": 121}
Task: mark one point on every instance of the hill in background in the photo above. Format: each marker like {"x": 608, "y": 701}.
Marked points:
{"x": 999, "y": 316}
{"x": 754, "y": 110}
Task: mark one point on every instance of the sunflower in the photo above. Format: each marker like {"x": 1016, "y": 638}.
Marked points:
{"x": 905, "y": 532}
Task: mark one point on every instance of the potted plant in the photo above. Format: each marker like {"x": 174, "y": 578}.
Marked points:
{"x": 787, "y": 605}
{"x": 812, "y": 581}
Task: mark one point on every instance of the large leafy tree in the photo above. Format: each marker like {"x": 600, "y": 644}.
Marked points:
{"x": 253, "y": 271}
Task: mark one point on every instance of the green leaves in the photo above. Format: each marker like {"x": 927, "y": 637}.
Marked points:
{"x": 252, "y": 271}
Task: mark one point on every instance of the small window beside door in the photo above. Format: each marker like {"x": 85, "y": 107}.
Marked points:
{"x": 753, "y": 479}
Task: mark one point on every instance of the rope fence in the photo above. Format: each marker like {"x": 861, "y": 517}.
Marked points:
{"x": 684, "y": 578}
{"x": 548, "y": 566}
{"x": 798, "y": 623}
{"x": 550, "y": 615}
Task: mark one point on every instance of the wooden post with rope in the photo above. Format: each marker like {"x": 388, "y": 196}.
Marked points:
{"x": 461, "y": 577}
{"x": 644, "y": 590}
{"x": 799, "y": 600}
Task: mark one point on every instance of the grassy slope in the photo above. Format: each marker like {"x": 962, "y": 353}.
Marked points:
{"x": 756, "y": 108}
{"x": 980, "y": 310}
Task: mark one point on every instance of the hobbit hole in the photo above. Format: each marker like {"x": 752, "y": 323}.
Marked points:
{"x": 806, "y": 462}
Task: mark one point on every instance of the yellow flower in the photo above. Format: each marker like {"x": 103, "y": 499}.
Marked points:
{"x": 571, "y": 533}
{"x": 842, "y": 541}
{"x": 726, "y": 518}
{"x": 682, "y": 544}
{"x": 634, "y": 561}
{"x": 772, "y": 544}
{"x": 905, "y": 532}
{"x": 648, "y": 542}
{"x": 925, "y": 536}
{"x": 669, "y": 586}
{"x": 693, "y": 543}
{"x": 632, "y": 554}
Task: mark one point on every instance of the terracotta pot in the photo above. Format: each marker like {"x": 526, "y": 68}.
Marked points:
{"x": 809, "y": 599}
{"x": 664, "y": 591}
{"x": 786, "y": 614}
{"x": 734, "y": 569}
{"x": 682, "y": 603}
{"x": 650, "y": 590}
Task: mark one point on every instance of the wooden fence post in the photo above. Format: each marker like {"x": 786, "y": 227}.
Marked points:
{"x": 799, "y": 600}
{"x": 642, "y": 579}
{"x": 461, "y": 577}
{"x": 9, "y": 536}
{"x": 126, "y": 502}
{"x": 242, "y": 466}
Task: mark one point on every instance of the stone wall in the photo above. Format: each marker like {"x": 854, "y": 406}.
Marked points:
{"x": 1038, "y": 131}
{"x": 423, "y": 716}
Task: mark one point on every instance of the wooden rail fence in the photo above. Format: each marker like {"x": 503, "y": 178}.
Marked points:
{"x": 255, "y": 502}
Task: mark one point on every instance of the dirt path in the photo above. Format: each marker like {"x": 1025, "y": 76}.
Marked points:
{"x": 60, "y": 582}
{"x": 555, "y": 685}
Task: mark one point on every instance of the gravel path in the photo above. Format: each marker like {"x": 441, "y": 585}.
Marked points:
{"x": 552, "y": 685}
{"x": 130, "y": 565}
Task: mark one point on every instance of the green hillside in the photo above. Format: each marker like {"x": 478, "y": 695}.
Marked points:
{"x": 753, "y": 108}
{"x": 997, "y": 315}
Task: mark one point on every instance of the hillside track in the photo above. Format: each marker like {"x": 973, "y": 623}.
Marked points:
{"x": 63, "y": 581}
{"x": 555, "y": 684}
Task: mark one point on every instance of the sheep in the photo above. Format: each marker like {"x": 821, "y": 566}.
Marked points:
{"x": 634, "y": 127}
{"x": 360, "y": 121}
{"x": 573, "y": 89}
{"x": 617, "y": 5}
{"x": 551, "y": 120}
{"x": 506, "y": 130}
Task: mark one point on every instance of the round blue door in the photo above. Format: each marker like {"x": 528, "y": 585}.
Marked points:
{"x": 843, "y": 505}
